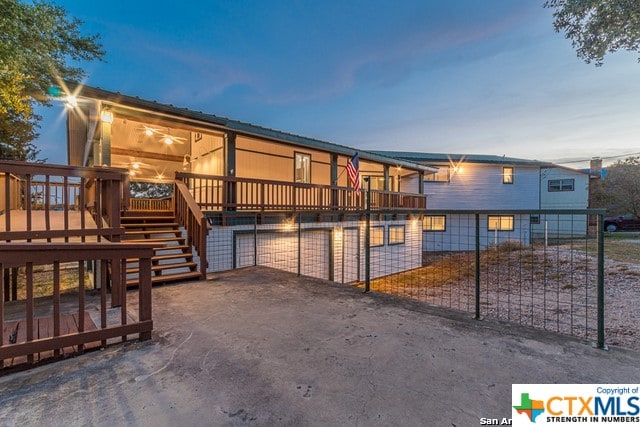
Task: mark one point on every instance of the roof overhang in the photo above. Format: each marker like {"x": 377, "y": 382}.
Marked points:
{"x": 144, "y": 108}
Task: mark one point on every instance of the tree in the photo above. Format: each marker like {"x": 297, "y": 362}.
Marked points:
{"x": 38, "y": 44}
{"x": 621, "y": 187}
{"x": 598, "y": 27}
{"x": 150, "y": 190}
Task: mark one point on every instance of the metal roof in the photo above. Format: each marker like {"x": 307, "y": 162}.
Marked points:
{"x": 470, "y": 158}
{"x": 84, "y": 91}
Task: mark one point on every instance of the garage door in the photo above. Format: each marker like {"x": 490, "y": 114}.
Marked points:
{"x": 351, "y": 255}
{"x": 280, "y": 250}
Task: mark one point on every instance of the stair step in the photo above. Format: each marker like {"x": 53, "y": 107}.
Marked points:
{"x": 161, "y": 267}
{"x": 171, "y": 256}
{"x": 167, "y": 256}
{"x": 146, "y": 219}
{"x": 171, "y": 248}
{"x": 167, "y": 278}
{"x": 150, "y": 232}
{"x": 158, "y": 240}
{"x": 150, "y": 225}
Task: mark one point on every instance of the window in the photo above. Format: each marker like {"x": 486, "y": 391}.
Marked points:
{"x": 441, "y": 176}
{"x": 302, "y": 168}
{"x": 434, "y": 223}
{"x": 534, "y": 219}
{"x": 396, "y": 234}
{"x": 377, "y": 236}
{"x": 500, "y": 222}
{"x": 507, "y": 175}
{"x": 561, "y": 185}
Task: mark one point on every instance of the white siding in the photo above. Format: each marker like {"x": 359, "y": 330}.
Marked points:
{"x": 576, "y": 199}
{"x": 460, "y": 234}
{"x": 278, "y": 248}
{"x": 479, "y": 186}
{"x": 562, "y": 225}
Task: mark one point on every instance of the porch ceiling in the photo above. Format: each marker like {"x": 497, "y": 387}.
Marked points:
{"x": 140, "y": 147}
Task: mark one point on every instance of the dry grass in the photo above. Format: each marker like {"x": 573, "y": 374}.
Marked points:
{"x": 617, "y": 250}
{"x": 452, "y": 268}
{"x": 43, "y": 280}
{"x": 552, "y": 288}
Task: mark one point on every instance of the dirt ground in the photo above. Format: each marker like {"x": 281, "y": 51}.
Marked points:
{"x": 263, "y": 347}
{"x": 552, "y": 288}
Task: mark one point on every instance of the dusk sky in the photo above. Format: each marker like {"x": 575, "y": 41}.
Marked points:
{"x": 465, "y": 76}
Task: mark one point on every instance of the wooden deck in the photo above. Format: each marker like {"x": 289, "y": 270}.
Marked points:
{"x": 43, "y": 325}
{"x": 16, "y": 332}
{"x": 42, "y": 222}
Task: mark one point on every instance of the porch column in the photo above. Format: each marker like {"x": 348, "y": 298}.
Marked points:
{"x": 230, "y": 171}
{"x": 334, "y": 181}
{"x": 386, "y": 177}
{"x": 105, "y": 149}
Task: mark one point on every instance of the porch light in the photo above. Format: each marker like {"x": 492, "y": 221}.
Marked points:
{"x": 148, "y": 132}
{"x": 167, "y": 140}
{"x": 106, "y": 116}
{"x": 71, "y": 101}
{"x": 288, "y": 224}
{"x": 338, "y": 233}
{"x": 132, "y": 173}
{"x": 135, "y": 165}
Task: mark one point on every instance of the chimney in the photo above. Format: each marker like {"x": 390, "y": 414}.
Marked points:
{"x": 595, "y": 167}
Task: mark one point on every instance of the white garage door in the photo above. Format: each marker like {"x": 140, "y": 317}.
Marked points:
{"x": 280, "y": 250}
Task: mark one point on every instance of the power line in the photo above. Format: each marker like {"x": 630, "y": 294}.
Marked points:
{"x": 602, "y": 158}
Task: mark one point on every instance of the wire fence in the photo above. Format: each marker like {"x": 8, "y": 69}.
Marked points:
{"x": 542, "y": 269}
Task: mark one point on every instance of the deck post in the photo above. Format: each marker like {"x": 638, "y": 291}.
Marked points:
{"x": 202, "y": 253}
{"x": 600, "y": 238}
{"x": 230, "y": 200}
{"x": 386, "y": 178}
{"x": 144, "y": 295}
{"x": 333, "y": 203}
{"x": 477, "y": 315}
{"x": 367, "y": 239}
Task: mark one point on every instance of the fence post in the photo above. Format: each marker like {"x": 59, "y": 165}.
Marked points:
{"x": 299, "y": 243}
{"x": 600, "y": 237}
{"x": 477, "y": 272}
{"x": 255, "y": 239}
{"x": 367, "y": 239}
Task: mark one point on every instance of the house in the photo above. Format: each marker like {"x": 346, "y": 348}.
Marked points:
{"x": 562, "y": 188}
{"x": 233, "y": 171}
{"x": 502, "y": 185}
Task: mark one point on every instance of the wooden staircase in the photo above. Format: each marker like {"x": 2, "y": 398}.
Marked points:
{"x": 172, "y": 257}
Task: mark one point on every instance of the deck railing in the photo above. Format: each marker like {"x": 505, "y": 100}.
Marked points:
{"x": 220, "y": 193}
{"x": 148, "y": 204}
{"x": 189, "y": 215}
{"x": 34, "y": 192}
{"x": 53, "y": 203}
{"x": 33, "y": 336}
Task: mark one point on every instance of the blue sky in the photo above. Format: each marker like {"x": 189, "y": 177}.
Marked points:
{"x": 464, "y": 76}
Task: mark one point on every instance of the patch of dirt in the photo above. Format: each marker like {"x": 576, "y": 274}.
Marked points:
{"x": 553, "y": 288}
{"x": 43, "y": 280}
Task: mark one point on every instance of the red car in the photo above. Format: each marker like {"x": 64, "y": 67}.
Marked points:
{"x": 622, "y": 222}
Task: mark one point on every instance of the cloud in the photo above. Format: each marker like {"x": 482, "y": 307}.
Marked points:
{"x": 382, "y": 62}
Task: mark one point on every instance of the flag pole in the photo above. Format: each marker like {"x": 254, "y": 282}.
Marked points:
{"x": 336, "y": 181}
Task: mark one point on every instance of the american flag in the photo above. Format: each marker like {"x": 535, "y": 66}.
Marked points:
{"x": 353, "y": 169}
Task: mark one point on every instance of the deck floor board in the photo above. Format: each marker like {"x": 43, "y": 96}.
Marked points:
{"x": 43, "y": 328}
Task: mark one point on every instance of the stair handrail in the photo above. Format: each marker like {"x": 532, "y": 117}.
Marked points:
{"x": 190, "y": 216}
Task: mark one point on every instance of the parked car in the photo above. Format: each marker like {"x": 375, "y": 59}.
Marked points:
{"x": 622, "y": 222}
